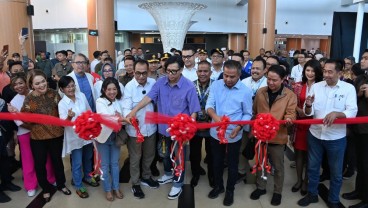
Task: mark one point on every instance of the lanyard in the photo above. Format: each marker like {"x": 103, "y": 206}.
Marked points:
{"x": 202, "y": 95}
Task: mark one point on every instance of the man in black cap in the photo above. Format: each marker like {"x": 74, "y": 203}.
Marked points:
{"x": 153, "y": 66}
{"x": 161, "y": 70}
{"x": 217, "y": 58}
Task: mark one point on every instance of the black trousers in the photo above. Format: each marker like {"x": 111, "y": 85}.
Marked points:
{"x": 40, "y": 150}
{"x": 361, "y": 183}
{"x": 219, "y": 151}
{"x": 5, "y": 170}
{"x": 196, "y": 155}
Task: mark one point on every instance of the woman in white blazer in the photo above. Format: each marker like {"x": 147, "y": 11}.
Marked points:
{"x": 109, "y": 104}
{"x": 71, "y": 106}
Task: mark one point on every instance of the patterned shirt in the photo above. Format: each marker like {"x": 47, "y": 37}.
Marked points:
{"x": 46, "y": 104}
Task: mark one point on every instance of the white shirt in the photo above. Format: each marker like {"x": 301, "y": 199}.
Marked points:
{"x": 255, "y": 85}
{"x": 93, "y": 64}
{"x": 121, "y": 65}
{"x": 104, "y": 107}
{"x": 71, "y": 139}
{"x": 190, "y": 74}
{"x": 340, "y": 98}
{"x": 133, "y": 94}
{"x": 98, "y": 85}
{"x": 215, "y": 74}
{"x": 17, "y": 102}
{"x": 297, "y": 73}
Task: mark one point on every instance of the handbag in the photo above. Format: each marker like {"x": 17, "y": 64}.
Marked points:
{"x": 249, "y": 151}
{"x": 121, "y": 137}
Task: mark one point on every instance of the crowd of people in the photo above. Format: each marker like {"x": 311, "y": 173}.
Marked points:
{"x": 205, "y": 85}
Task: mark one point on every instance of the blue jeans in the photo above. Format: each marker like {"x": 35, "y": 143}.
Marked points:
{"x": 81, "y": 157}
{"x": 335, "y": 150}
{"x": 178, "y": 182}
{"x": 110, "y": 155}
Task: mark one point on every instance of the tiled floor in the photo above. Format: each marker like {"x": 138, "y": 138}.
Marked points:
{"x": 158, "y": 197}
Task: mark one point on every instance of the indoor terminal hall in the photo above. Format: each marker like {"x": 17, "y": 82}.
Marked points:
{"x": 183, "y": 103}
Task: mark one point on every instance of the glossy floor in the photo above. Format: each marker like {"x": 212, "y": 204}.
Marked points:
{"x": 158, "y": 197}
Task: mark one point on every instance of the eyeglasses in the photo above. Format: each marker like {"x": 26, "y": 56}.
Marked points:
{"x": 143, "y": 74}
{"x": 172, "y": 71}
{"x": 216, "y": 56}
{"x": 80, "y": 62}
{"x": 187, "y": 57}
{"x": 110, "y": 70}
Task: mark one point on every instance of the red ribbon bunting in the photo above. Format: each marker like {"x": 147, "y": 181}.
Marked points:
{"x": 221, "y": 130}
{"x": 140, "y": 137}
{"x": 182, "y": 128}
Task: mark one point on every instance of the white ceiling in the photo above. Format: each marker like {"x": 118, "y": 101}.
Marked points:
{"x": 306, "y": 17}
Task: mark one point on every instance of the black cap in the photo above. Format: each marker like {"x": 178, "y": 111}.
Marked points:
{"x": 217, "y": 50}
{"x": 165, "y": 56}
{"x": 152, "y": 58}
{"x": 202, "y": 51}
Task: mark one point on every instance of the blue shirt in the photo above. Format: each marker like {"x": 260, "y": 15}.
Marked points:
{"x": 235, "y": 102}
{"x": 85, "y": 88}
{"x": 173, "y": 100}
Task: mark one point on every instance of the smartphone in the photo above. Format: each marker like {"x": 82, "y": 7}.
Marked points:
{"x": 6, "y": 48}
{"x": 24, "y": 31}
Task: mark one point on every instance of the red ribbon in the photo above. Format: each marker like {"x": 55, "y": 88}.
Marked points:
{"x": 221, "y": 130}
{"x": 182, "y": 128}
{"x": 140, "y": 137}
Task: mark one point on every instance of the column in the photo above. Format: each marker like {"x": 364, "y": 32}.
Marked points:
{"x": 100, "y": 16}
{"x": 236, "y": 42}
{"x": 261, "y": 14}
{"x": 13, "y": 17}
{"x": 295, "y": 43}
{"x": 358, "y": 30}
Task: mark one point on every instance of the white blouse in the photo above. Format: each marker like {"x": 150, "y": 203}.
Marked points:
{"x": 71, "y": 139}
{"x": 104, "y": 107}
{"x": 17, "y": 102}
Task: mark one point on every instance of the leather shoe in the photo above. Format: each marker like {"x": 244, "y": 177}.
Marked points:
{"x": 10, "y": 187}
{"x": 194, "y": 181}
{"x": 229, "y": 198}
{"x": 257, "y": 193}
{"x": 4, "y": 198}
{"x": 276, "y": 199}
{"x": 351, "y": 195}
{"x": 215, "y": 192}
{"x": 308, "y": 200}
{"x": 360, "y": 205}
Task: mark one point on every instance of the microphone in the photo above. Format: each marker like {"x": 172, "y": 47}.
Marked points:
{"x": 144, "y": 92}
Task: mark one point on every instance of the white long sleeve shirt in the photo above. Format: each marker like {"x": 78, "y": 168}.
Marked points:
{"x": 339, "y": 98}
{"x": 71, "y": 139}
{"x": 133, "y": 94}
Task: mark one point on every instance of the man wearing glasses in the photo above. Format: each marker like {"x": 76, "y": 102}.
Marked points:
{"x": 134, "y": 92}
{"x": 83, "y": 81}
{"x": 217, "y": 58}
{"x": 173, "y": 94}
{"x": 190, "y": 69}
{"x": 296, "y": 71}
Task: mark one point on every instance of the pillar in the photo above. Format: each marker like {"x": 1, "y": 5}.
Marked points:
{"x": 261, "y": 14}
{"x": 136, "y": 40}
{"x": 236, "y": 42}
{"x": 358, "y": 30}
{"x": 295, "y": 43}
{"x": 100, "y": 16}
{"x": 13, "y": 17}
